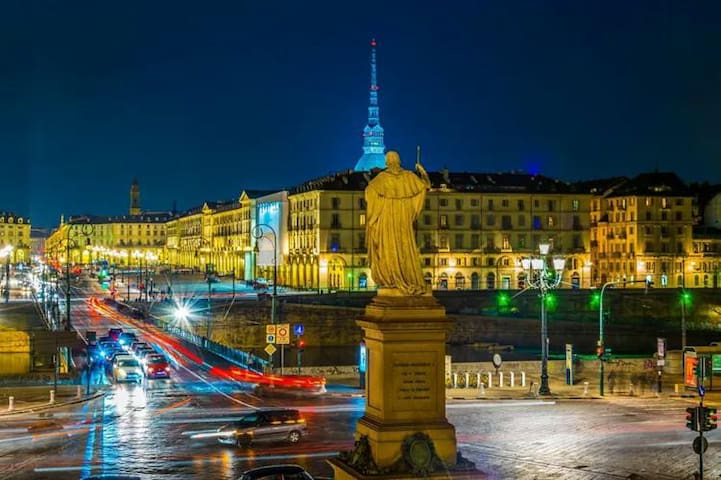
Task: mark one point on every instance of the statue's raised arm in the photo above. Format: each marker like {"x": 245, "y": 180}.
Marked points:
{"x": 394, "y": 199}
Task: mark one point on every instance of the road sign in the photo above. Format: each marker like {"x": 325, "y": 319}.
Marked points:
{"x": 270, "y": 349}
{"x": 282, "y": 334}
{"x": 270, "y": 329}
{"x": 270, "y": 338}
{"x": 698, "y": 443}
{"x": 298, "y": 329}
{"x": 701, "y": 390}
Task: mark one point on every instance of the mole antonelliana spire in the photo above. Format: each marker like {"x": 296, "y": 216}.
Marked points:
{"x": 373, "y": 147}
{"x": 135, "y": 198}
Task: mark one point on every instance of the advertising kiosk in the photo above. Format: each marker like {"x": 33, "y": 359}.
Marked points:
{"x": 711, "y": 357}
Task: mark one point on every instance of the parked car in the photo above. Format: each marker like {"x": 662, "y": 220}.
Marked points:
{"x": 264, "y": 425}
{"x": 274, "y": 472}
{"x": 156, "y": 366}
{"x": 127, "y": 370}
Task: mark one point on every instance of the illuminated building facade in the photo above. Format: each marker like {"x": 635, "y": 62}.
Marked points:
{"x": 641, "y": 229}
{"x": 15, "y": 232}
{"x": 472, "y": 234}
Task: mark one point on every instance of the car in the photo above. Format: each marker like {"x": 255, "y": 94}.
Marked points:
{"x": 127, "y": 370}
{"x": 264, "y": 425}
{"x": 137, "y": 344}
{"x": 156, "y": 366}
{"x": 275, "y": 472}
{"x": 143, "y": 354}
{"x": 114, "y": 333}
{"x": 142, "y": 347}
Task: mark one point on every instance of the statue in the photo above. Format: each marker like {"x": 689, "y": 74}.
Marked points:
{"x": 394, "y": 199}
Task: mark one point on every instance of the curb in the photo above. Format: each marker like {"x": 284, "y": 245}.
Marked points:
{"x": 51, "y": 406}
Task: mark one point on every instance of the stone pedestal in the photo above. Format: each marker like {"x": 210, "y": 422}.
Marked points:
{"x": 404, "y": 432}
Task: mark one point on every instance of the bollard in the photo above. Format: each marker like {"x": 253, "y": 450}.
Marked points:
{"x": 455, "y": 380}
{"x": 490, "y": 380}
{"x": 481, "y": 389}
{"x": 79, "y": 392}
{"x": 52, "y": 396}
{"x": 11, "y": 404}
{"x": 523, "y": 379}
{"x": 585, "y": 388}
{"x": 513, "y": 379}
{"x": 478, "y": 380}
{"x": 468, "y": 380}
{"x": 675, "y": 387}
{"x": 500, "y": 379}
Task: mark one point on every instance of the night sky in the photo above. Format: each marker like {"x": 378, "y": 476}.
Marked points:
{"x": 201, "y": 100}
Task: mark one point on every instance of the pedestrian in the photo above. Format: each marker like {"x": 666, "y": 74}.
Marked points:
{"x": 611, "y": 381}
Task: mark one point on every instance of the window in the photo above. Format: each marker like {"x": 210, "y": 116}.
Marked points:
{"x": 335, "y": 221}
{"x": 459, "y": 204}
{"x": 362, "y": 241}
{"x": 521, "y": 220}
{"x": 443, "y": 202}
{"x": 335, "y": 203}
{"x": 490, "y": 220}
{"x": 536, "y": 222}
{"x": 550, "y": 221}
{"x": 521, "y": 205}
{"x": 459, "y": 220}
{"x": 475, "y": 241}
{"x": 427, "y": 220}
{"x": 474, "y": 202}
{"x": 361, "y": 203}
{"x": 427, "y": 262}
{"x": 475, "y": 221}
{"x": 536, "y": 203}
{"x": 427, "y": 241}
{"x": 459, "y": 241}
{"x": 490, "y": 204}
{"x": 334, "y": 242}
{"x": 504, "y": 203}
{"x": 506, "y": 222}
{"x": 521, "y": 241}
{"x": 506, "y": 242}
{"x": 679, "y": 216}
{"x": 575, "y": 205}
{"x": 551, "y": 205}
{"x": 443, "y": 221}
{"x": 427, "y": 204}
{"x": 362, "y": 219}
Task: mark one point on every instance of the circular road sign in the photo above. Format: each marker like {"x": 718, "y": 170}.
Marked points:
{"x": 497, "y": 360}
{"x": 697, "y": 444}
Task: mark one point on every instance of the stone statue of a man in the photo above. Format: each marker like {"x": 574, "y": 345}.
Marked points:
{"x": 394, "y": 199}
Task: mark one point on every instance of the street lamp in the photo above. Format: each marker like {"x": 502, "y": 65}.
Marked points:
{"x": 543, "y": 281}
{"x": 600, "y": 346}
{"x": 258, "y": 233}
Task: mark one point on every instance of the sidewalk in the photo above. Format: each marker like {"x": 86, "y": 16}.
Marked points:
{"x": 35, "y": 399}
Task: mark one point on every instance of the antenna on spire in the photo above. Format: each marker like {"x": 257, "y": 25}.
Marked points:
{"x": 418, "y": 154}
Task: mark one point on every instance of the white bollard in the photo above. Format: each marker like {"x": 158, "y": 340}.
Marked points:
{"x": 478, "y": 380}
{"x": 585, "y": 388}
{"x": 11, "y": 404}
{"x": 675, "y": 387}
{"x": 513, "y": 379}
{"x": 523, "y": 379}
{"x": 481, "y": 388}
{"x": 500, "y": 379}
{"x": 79, "y": 392}
{"x": 490, "y": 380}
{"x": 455, "y": 380}
{"x": 52, "y": 396}
{"x": 468, "y": 380}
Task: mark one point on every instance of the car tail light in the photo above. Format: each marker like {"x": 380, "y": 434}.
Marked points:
{"x": 151, "y": 369}
{"x": 167, "y": 369}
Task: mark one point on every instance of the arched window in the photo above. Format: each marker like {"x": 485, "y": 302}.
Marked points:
{"x": 443, "y": 282}
{"x": 475, "y": 281}
{"x": 460, "y": 281}
{"x": 491, "y": 281}
{"x": 362, "y": 280}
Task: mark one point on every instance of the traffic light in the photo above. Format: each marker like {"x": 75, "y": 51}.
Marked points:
{"x": 692, "y": 418}
{"x": 708, "y": 418}
{"x": 301, "y": 346}
{"x": 551, "y": 301}
{"x": 686, "y": 298}
{"x": 595, "y": 301}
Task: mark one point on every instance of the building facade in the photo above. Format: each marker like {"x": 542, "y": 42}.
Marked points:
{"x": 15, "y": 233}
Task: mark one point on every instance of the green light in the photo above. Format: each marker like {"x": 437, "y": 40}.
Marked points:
{"x": 595, "y": 301}
{"x": 686, "y": 298}
{"x": 551, "y": 301}
{"x": 503, "y": 300}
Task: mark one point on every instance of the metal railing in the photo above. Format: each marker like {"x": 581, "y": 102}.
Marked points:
{"x": 239, "y": 357}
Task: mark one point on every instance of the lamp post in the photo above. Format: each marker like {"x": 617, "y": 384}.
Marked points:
{"x": 600, "y": 346}
{"x": 546, "y": 280}
{"x": 258, "y": 233}
{"x": 86, "y": 230}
